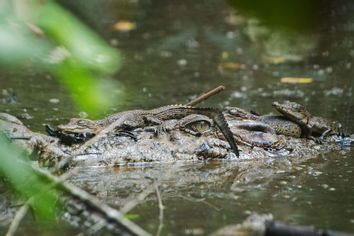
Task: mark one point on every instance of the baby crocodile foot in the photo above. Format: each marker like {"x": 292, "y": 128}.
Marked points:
{"x": 126, "y": 133}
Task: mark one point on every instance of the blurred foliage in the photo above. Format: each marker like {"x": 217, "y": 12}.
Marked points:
{"x": 47, "y": 37}
{"x": 291, "y": 14}
{"x": 16, "y": 169}
{"x": 85, "y": 47}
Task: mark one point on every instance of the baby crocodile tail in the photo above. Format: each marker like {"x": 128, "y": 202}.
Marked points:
{"x": 225, "y": 129}
{"x": 221, "y": 123}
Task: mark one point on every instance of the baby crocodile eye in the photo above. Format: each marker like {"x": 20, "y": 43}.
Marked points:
{"x": 81, "y": 122}
{"x": 84, "y": 123}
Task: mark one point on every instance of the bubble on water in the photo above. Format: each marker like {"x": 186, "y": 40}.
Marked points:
{"x": 230, "y": 35}
{"x": 54, "y": 100}
{"x": 316, "y": 66}
{"x": 237, "y": 94}
{"x": 317, "y": 173}
{"x": 320, "y": 72}
{"x": 324, "y": 186}
{"x": 247, "y": 212}
{"x": 165, "y": 54}
{"x": 195, "y": 231}
{"x": 325, "y": 53}
{"x": 192, "y": 43}
{"x": 182, "y": 62}
{"x": 114, "y": 42}
{"x": 239, "y": 51}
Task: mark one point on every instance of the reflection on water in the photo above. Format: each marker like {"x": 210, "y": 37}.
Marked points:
{"x": 181, "y": 48}
{"x": 201, "y": 197}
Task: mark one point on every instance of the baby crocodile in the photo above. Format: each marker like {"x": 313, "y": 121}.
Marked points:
{"x": 79, "y": 130}
{"x": 266, "y": 123}
{"x": 311, "y": 126}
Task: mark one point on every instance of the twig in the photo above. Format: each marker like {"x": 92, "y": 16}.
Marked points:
{"x": 206, "y": 95}
{"x": 161, "y": 209}
{"x": 202, "y": 200}
{"x": 18, "y": 217}
{"x": 133, "y": 203}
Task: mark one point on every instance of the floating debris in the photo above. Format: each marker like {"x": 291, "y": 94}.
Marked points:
{"x": 336, "y": 91}
{"x": 276, "y": 60}
{"x": 25, "y": 116}
{"x": 296, "y": 80}
{"x": 9, "y": 96}
{"x": 124, "y": 26}
{"x": 231, "y": 66}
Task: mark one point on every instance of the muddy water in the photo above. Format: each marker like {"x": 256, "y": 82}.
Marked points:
{"x": 178, "y": 50}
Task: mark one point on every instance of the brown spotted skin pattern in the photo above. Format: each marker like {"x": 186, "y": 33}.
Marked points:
{"x": 281, "y": 125}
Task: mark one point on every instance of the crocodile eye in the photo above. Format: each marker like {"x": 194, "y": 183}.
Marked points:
{"x": 199, "y": 126}
{"x": 196, "y": 124}
{"x": 84, "y": 123}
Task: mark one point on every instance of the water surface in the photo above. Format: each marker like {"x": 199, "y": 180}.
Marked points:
{"x": 180, "y": 49}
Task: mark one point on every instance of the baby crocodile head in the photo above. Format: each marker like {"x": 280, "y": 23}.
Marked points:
{"x": 76, "y": 131}
{"x": 293, "y": 111}
{"x": 311, "y": 125}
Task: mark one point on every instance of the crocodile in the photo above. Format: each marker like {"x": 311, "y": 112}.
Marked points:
{"x": 191, "y": 137}
{"x": 80, "y": 130}
{"x": 311, "y": 126}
